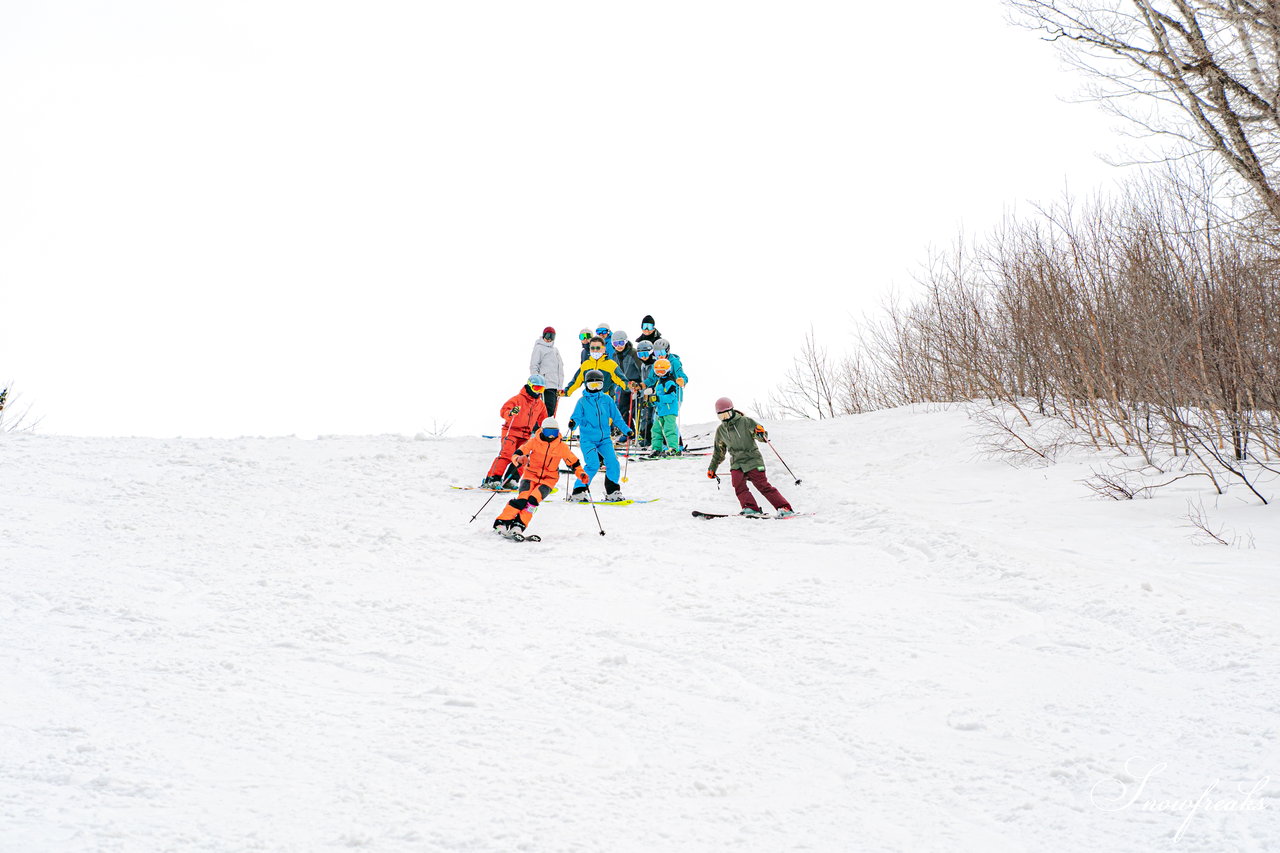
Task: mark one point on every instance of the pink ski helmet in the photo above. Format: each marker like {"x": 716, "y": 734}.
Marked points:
{"x": 724, "y": 404}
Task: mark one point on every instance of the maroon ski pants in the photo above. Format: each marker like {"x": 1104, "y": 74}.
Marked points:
{"x": 762, "y": 484}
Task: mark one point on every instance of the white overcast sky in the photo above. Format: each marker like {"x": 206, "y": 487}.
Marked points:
{"x": 267, "y": 218}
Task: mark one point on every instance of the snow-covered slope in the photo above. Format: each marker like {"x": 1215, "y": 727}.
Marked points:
{"x": 291, "y": 645}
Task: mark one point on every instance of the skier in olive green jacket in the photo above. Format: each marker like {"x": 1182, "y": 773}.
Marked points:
{"x": 737, "y": 436}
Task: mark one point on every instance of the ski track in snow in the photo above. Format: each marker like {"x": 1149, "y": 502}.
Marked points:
{"x": 277, "y": 644}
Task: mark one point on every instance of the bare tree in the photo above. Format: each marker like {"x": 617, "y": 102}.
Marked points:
{"x": 14, "y": 415}
{"x": 812, "y": 388}
{"x": 1210, "y": 69}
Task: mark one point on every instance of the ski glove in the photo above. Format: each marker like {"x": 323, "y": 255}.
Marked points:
{"x": 583, "y": 478}
{"x": 572, "y": 426}
{"x": 711, "y": 475}
{"x": 760, "y": 432}
{"x": 515, "y": 410}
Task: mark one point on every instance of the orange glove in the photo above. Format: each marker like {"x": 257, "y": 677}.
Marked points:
{"x": 583, "y": 478}
{"x": 711, "y": 475}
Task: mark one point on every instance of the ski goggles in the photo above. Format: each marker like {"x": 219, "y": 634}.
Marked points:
{"x": 602, "y": 330}
{"x": 537, "y": 389}
{"x": 551, "y": 433}
{"x": 659, "y": 353}
{"x": 584, "y": 336}
{"x": 726, "y": 414}
{"x": 648, "y": 327}
{"x": 595, "y": 386}
{"x": 619, "y": 345}
{"x": 549, "y": 336}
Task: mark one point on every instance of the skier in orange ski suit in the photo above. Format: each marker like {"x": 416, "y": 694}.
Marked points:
{"x": 522, "y": 414}
{"x": 539, "y": 460}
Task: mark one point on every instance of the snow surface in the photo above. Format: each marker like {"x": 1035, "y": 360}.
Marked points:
{"x": 289, "y": 645}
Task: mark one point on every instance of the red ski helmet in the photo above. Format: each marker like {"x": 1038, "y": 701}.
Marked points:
{"x": 724, "y": 404}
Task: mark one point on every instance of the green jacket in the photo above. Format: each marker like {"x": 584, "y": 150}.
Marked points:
{"x": 737, "y": 437}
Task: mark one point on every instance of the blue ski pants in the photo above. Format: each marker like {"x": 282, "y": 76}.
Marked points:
{"x": 595, "y": 451}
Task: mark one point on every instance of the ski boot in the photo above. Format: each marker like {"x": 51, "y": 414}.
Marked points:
{"x": 511, "y": 485}
{"x": 784, "y": 513}
{"x": 752, "y": 513}
{"x": 614, "y": 497}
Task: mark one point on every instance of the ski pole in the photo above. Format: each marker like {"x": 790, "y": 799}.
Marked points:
{"x": 481, "y": 509}
{"x": 783, "y": 461}
{"x": 596, "y": 511}
{"x": 568, "y": 484}
{"x": 626, "y": 451}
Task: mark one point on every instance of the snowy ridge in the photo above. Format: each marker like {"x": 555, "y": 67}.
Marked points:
{"x": 277, "y": 644}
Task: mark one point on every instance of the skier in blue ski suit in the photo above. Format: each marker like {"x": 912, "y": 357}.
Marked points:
{"x": 593, "y": 416}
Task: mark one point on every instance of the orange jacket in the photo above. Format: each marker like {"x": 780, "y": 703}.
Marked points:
{"x": 540, "y": 464}
{"x": 528, "y": 420}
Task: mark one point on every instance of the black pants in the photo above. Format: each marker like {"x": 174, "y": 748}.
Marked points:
{"x": 624, "y": 405}
{"x": 645, "y": 430}
{"x": 549, "y": 396}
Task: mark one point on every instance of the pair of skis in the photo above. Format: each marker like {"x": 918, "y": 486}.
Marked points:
{"x": 495, "y": 491}
{"x": 698, "y": 514}
{"x": 519, "y": 537}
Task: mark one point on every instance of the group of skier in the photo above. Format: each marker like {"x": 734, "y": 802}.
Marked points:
{"x": 632, "y": 392}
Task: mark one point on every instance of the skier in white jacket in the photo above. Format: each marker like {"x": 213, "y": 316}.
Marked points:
{"x": 546, "y": 361}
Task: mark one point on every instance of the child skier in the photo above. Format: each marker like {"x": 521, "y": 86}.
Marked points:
{"x": 665, "y": 398}
{"x": 539, "y": 458}
{"x": 662, "y": 349}
{"x": 521, "y": 416}
{"x": 737, "y": 435}
{"x": 596, "y": 413}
